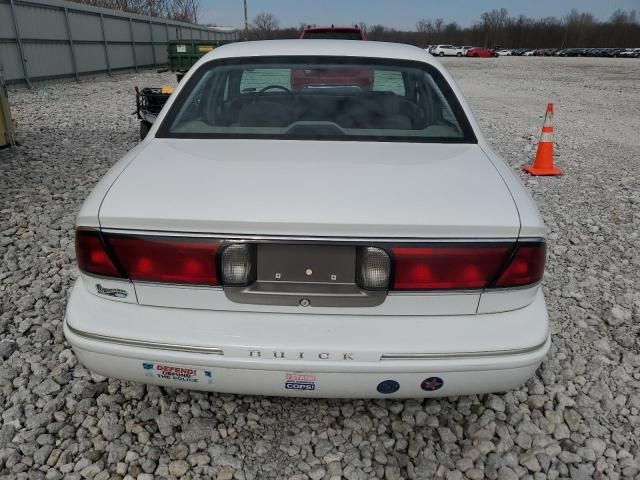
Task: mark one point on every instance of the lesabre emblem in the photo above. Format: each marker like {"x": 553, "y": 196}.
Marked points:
{"x": 111, "y": 292}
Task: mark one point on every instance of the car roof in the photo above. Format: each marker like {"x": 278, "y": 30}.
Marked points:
{"x": 309, "y": 47}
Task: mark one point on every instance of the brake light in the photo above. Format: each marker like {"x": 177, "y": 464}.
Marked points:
{"x": 167, "y": 259}
{"x": 92, "y": 255}
{"x": 526, "y": 266}
{"x": 447, "y": 267}
{"x": 463, "y": 267}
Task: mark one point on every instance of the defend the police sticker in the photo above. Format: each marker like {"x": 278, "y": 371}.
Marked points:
{"x": 177, "y": 373}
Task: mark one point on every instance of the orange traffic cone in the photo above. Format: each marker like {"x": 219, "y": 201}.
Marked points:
{"x": 543, "y": 164}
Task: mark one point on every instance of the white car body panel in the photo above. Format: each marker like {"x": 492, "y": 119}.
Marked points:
{"x": 362, "y": 189}
{"x": 473, "y": 341}
{"x": 245, "y": 356}
{"x": 397, "y": 303}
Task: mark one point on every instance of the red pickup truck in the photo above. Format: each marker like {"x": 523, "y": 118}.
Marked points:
{"x": 332, "y": 77}
{"x": 334, "y": 33}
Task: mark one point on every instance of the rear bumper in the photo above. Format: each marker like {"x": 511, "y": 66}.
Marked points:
{"x": 262, "y": 358}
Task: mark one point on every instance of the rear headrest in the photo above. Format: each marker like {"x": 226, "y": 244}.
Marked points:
{"x": 264, "y": 114}
{"x": 389, "y": 102}
{"x": 382, "y": 104}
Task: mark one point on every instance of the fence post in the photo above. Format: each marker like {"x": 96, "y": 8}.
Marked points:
{"x": 23, "y": 60}
{"x": 133, "y": 46}
{"x": 106, "y": 45}
{"x": 70, "y": 37}
{"x": 153, "y": 45}
{"x": 166, "y": 45}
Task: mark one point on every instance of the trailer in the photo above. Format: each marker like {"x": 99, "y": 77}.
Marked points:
{"x": 149, "y": 102}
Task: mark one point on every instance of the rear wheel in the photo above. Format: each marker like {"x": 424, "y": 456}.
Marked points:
{"x": 459, "y": 54}
{"x": 144, "y": 129}
{"x": 441, "y": 54}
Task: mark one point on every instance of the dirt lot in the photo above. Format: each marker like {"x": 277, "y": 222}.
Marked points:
{"x": 578, "y": 418}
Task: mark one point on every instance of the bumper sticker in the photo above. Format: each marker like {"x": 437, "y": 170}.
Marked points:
{"x": 388, "y": 386}
{"x": 178, "y": 373}
{"x": 300, "y": 381}
{"x": 432, "y": 384}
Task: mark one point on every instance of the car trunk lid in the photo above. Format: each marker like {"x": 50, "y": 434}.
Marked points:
{"x": 312, "y": 188}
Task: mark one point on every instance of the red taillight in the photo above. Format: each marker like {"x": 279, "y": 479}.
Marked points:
{"x": 463, "y": 267}
{"x": 92, "y": 256}
{"x": 167, "y": 259}
{"x": 526, "y": 266}
{"x": 447, "y": 267}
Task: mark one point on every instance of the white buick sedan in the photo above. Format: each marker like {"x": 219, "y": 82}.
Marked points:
{"x": 312, "y": 218}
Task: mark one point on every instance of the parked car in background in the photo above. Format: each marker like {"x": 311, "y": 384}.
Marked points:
{"x": 503, "y": 53}
{"x": 323, "y": 78}
{"x": 447, "y": 51}
{"x": 320, "y": 242}
{"x": 481, "y": 52}
{"x": 529, "y": 53}
{"x": 630, "y": 53}
{"x": 545, "y": 52}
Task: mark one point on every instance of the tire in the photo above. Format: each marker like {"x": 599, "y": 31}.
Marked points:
{"x": 458, "y": 54}
{"x": 441, "y": 54}
{"x": 144, "y": 129}
{"x": 179, "y": 76}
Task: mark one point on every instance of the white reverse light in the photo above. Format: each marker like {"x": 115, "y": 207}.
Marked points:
{"x": 373, "y": 268}
{"x": 237, "y": 264}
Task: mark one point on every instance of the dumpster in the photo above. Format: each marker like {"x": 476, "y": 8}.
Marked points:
{"x": 184, "y": 53}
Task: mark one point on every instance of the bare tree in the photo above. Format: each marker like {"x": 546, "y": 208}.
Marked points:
{"x": 183, "y": 10}
{"x": 438, "y": 24}
{"x": 493, "y": 22}
{"x": 264, "y": 26}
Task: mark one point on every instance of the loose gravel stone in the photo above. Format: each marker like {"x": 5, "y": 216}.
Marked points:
{"x": 578, "y": 417}
{"x": 7, "y": 348}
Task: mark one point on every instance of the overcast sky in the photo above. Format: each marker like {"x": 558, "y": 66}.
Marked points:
{"x": 397, "y": 13}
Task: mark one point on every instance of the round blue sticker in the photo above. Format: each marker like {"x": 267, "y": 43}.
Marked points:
{"x": 431, "y": 384}
{"x": 388, "y": 386}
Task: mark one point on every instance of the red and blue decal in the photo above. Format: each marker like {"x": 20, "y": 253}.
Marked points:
{"x": 432, "y": 384}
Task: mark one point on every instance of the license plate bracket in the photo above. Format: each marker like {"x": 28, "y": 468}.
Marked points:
{"x": 309, "y": 264}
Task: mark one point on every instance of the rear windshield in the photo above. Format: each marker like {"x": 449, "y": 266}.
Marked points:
{"x": 333, "y": 34}
{"x": 318, "y": 98}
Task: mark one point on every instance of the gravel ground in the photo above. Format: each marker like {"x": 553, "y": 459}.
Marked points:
{"x": 578, "y": 418}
